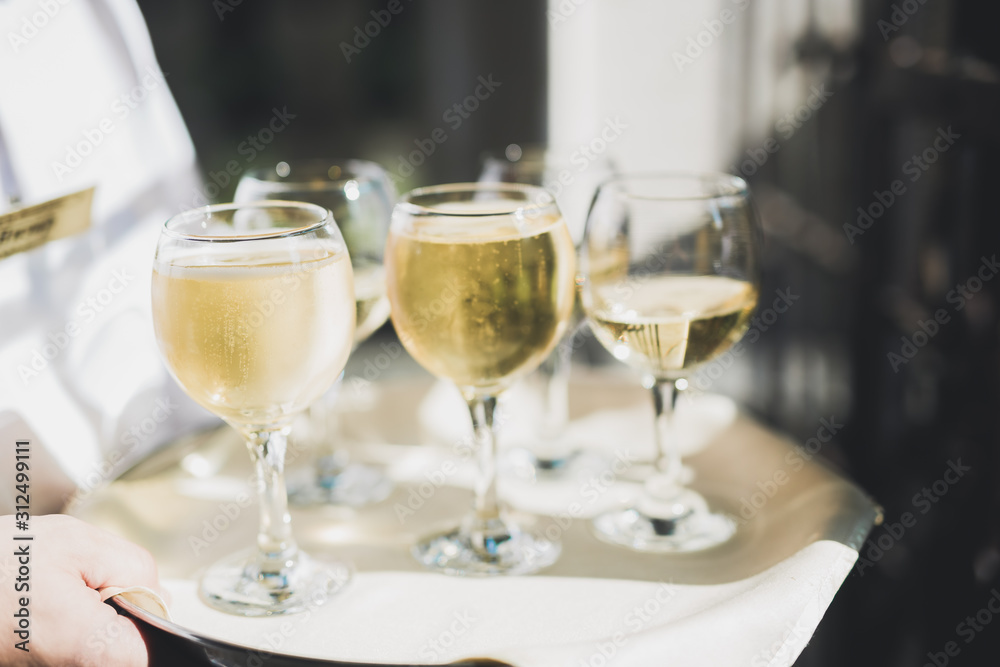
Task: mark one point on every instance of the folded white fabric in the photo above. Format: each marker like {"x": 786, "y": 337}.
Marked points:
{"x": 145, "y": 598}
{"x": 405, "y": 617}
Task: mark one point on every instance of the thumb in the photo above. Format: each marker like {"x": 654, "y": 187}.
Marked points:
{"x": 104, "y": 559}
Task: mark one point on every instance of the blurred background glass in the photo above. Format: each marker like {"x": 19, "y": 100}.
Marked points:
{"x": 361, "y": 197}
{"x": 551, "y": 452}
{"x": 822, "y": 105}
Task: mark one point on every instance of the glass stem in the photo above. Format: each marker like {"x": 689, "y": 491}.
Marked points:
{"x": 556, "y": 370}
{"x": 325, "y": 424}
{"x": 487, "y": 506}
{"x": 668, "y": 456}
{"x": 276, "y": 548}
{"x": 323, "y": 420}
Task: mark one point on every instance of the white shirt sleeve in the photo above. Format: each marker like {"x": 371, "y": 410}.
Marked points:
{"x": 85, "y": 104}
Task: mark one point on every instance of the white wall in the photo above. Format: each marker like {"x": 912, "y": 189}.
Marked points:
{"x": 626, "y": 58}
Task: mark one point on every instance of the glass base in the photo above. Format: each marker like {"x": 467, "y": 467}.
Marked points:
{"x": 236, "y": 585}
{"x": 353, "y": 484}
{"x": 497, "y": 549}
{"x": 681, "y": 524}
{"x": 555, "y": 465}
{"x": 526, "y": 464}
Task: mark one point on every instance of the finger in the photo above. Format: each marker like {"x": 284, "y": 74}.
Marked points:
{"x": 130, "y": 649}
{"x": 104, "y": 559}
{"x": 114, "y": 641}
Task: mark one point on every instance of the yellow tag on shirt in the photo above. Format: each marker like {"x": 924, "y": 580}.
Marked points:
{"x": 32, "y": 226}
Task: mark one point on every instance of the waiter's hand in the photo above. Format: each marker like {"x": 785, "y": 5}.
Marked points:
{"x": 67, "y": 562}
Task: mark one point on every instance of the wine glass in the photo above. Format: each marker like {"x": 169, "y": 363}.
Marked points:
{"x": 253, "y": 310}
{"x": 481, "y": 282}
{"x": 670, "y": 280}
{"x": 573, "y": 183}
{"x": 361, "y": 197}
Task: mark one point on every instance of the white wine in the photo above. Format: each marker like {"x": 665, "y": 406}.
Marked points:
{"x": 481, "y": 301}
{"x": 667, "y": 325}
{"x": 372, "y": 304}
{"x": 255, "y": 339}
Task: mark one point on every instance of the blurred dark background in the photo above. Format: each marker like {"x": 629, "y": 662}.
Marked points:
{"x": 896, "y": 88}
{"x": 939, "y": 71}
{"x": 228, "y": 68}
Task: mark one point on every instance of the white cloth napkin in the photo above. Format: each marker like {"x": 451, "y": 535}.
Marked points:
{"x": 545, "y": 621}
{"x": 145, "y": 598}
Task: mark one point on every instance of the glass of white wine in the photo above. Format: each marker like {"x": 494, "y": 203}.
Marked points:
{"x": 253, "y": 309}
{"x": 670, "y": 279}
{"x": 481, "y": 286}
{"x": 360, "y": 196}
